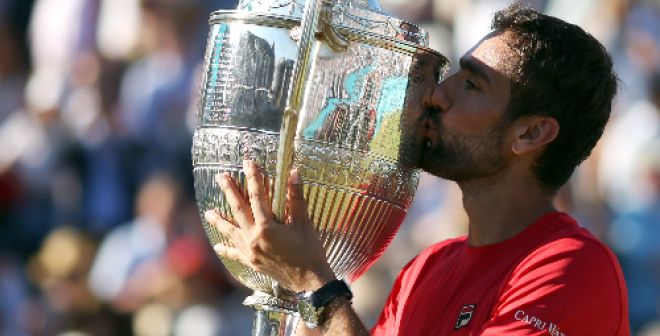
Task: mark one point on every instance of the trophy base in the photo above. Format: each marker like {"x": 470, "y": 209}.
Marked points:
{"x": 273, "y": 316}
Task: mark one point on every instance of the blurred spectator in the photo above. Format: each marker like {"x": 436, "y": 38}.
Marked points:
{"x": 14, "y": 58}
{"x": 159, "y": 266}
{"x": 623, "y": 188}
{"x": 601, "y": 18}
{"x": 14, "y": 294}
{"x": 638, "y": 55}
{"x": 634, "y": 236}
{"x": 128, "y": 266}
{"x": 60, "y": 269}
{"x": 156, "y": 87}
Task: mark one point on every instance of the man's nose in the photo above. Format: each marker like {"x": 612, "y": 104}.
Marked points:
{"x": 437, "y": 97}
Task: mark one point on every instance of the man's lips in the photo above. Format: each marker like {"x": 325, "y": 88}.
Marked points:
{"x": 426, "y": 147}
{"x": 428, "y": 130}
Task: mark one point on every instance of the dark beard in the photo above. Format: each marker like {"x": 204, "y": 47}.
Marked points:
{"x": 461, "y": 158}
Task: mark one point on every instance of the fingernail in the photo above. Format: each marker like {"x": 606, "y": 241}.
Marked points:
{"x": 295, "y": 178}
{"x": 221, "y": 179}
{"x": 219, "y": 249}
{"x": 209, "y": 215}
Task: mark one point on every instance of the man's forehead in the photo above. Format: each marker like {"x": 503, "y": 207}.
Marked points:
{"x": 495, "y": 52}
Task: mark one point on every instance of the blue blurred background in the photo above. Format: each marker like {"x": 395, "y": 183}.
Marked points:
{"x": 99, "y": 232}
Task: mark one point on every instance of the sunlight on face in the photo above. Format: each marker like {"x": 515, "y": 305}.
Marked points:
{"x": 495, "y": 51}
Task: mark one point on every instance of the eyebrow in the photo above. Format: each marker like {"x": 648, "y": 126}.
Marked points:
{"x": 475, "y": 68}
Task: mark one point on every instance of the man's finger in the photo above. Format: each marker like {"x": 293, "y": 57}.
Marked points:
{"x": 296, "y": 200}
{"x": 228, "y": 252}
{"x": 261, "y": 210}
{"x": 240, "y": 210}
{"x": 225, "y": 227}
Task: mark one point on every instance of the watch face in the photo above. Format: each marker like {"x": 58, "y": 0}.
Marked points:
{"x": 308, "y": 313}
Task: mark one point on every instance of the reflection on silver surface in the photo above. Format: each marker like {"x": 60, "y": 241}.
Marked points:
{"x": 352, "y": 143}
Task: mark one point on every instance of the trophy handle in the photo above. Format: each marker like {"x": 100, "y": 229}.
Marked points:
{"x": 327, "y": 32}
{"x": 316, "y": 22}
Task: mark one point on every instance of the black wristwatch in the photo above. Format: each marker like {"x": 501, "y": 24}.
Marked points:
{"x": 312, "y": 304}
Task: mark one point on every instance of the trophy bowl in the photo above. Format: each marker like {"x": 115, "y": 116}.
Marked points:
{"x": 333, "y": 88}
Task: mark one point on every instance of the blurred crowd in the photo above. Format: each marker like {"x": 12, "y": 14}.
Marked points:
{"x": 99, "y": 231}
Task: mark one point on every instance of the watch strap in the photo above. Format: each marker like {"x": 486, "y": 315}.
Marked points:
{"x": 330, "y": 291}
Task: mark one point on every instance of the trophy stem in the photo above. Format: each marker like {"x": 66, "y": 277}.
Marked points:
{"x": 308, "y": 27}
{"x": 272, "y": 316}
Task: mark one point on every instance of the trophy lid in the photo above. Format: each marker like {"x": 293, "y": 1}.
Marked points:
{"x": 295, "y": 7}
{"x": 352, "y": 17}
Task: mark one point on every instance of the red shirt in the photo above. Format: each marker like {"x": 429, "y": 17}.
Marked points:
{"x": 553, "y": 278}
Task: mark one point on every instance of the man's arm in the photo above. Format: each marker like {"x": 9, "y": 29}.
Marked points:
{"x": 289, "y": 252}
{"x": 341, "y": 319}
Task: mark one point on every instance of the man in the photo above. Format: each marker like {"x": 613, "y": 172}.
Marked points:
{"x": 526, "y": 107}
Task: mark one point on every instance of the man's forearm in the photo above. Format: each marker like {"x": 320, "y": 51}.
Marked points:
{"x": 340, "y": 319}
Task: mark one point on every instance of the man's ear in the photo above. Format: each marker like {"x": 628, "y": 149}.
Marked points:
{"x": 533, "y": 133}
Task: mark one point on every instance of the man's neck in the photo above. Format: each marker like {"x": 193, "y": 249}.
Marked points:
{"x": 499, "y": 207}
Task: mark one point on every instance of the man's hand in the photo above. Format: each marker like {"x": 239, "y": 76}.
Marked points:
{"x": 289, "y": 252}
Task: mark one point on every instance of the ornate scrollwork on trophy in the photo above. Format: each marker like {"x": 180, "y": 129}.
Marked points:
{"x": 292, "y": 7}
{"x": 361, "y": 16}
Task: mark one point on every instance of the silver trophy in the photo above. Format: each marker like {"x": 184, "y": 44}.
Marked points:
{"x": 332, "y": 87}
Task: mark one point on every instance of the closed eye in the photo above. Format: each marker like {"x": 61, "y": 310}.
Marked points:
{"x": 470, "y": 85}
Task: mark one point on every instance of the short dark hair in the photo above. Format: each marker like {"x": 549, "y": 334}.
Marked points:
{"x": 564, "y": 73}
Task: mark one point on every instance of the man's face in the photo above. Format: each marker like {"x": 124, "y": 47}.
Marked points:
{"x": 461, "y": 134}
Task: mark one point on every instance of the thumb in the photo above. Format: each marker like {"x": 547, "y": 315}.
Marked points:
{"x": 296, "y": 200}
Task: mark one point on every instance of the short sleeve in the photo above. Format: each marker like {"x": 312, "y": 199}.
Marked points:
{"x": 387, "y": 320}
{"x": 572, "y": 286}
